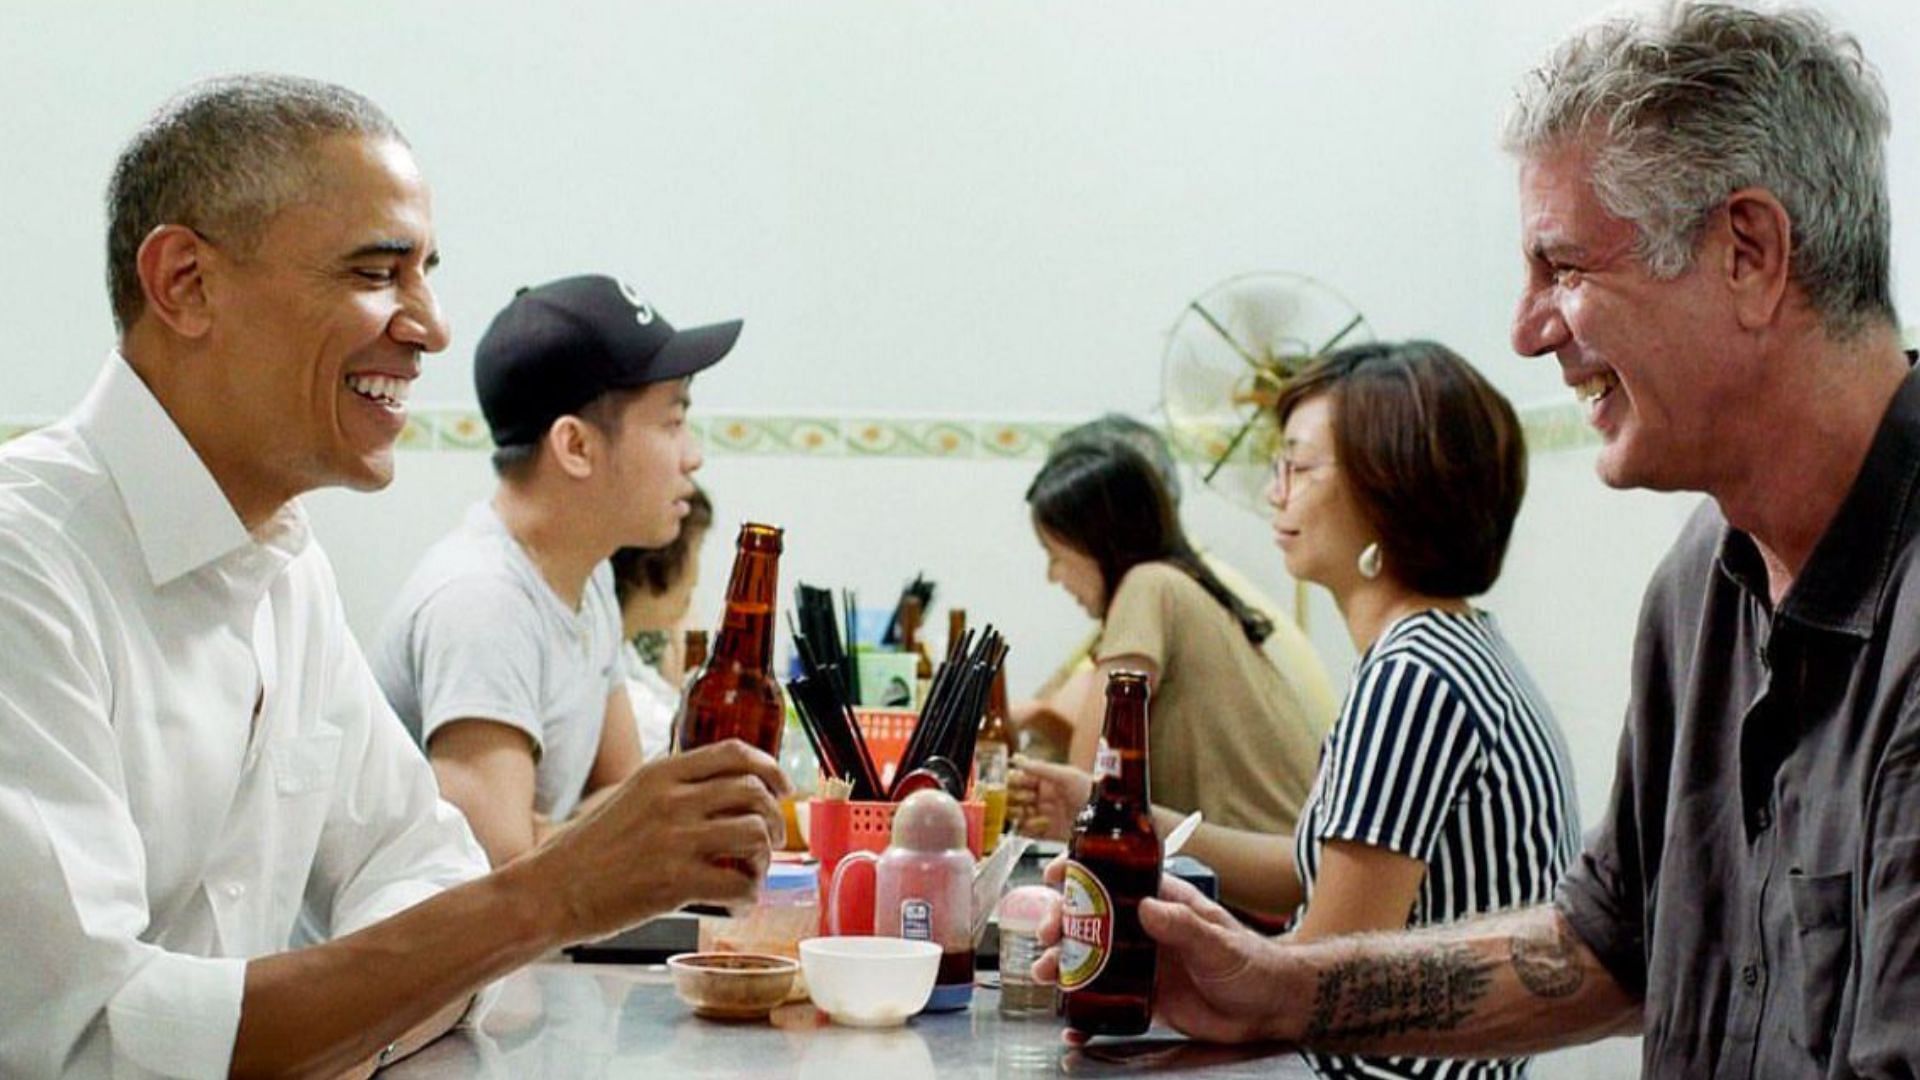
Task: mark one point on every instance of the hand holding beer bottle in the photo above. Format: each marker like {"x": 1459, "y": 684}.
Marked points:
{"x": 1106, "y": 960}
{"x": 1216, "y": 980}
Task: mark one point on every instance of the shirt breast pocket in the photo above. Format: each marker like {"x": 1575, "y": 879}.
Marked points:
{"x": 1823, "y": 936}
{"x": 306, "y": 763}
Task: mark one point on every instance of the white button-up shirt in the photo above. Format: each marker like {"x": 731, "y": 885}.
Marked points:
{"x": 194, "y": 758}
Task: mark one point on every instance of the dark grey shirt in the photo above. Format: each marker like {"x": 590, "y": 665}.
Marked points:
{"x": 1757, "y": 877}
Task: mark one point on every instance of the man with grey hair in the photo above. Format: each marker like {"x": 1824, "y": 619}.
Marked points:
{"x": 196, "y": 767}
{"x": 1705, "y": 220}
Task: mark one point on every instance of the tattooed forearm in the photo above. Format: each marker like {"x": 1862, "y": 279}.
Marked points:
{"x": 1547, "y": 960}
{"x": 1369, "y": 997}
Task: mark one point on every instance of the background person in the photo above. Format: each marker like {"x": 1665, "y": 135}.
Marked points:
{"x": 655, "y": 589}
{"x": 1046, "y": 721}
{"x": 503, "y": 653}
{"x": 1228, "y": 731}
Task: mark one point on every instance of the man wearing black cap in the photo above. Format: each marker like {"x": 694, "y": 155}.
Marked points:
{"x": 502, "y": 653}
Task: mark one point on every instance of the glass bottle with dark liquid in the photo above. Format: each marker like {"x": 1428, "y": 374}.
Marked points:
{"x": 694, "y": 656}
{"x": 1106, "y": 959}
{"x": 912, "y": 615}
{"x": 735, "y": 696}
{"x": 992, "y": 760}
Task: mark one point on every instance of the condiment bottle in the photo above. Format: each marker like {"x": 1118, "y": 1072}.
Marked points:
{"x": 1022, "y": 910}
{"x": 923, "y": 890}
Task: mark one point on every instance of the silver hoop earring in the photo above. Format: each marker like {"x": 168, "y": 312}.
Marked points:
{"x": 1369, "y": 561}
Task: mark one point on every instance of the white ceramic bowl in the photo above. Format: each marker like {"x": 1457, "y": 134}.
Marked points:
{"x": 869, "y": 981}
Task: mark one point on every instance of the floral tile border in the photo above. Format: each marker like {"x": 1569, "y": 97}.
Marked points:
{"x": 1018, "y": 440}
{"x": 1549, "y": 428}
{"x": 458, "y": 429}
{"x": 802, "y": 436}
{"x": 879, "y": 437}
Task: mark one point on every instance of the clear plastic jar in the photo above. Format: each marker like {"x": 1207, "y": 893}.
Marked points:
{"x": 1021, "y": 912}
{"x": 788, "y": 911}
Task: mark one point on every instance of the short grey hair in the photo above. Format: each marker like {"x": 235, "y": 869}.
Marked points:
{"x": 222, "y": 157}
{"x": 1145, "y": 439}
{"x": 1685, "y": 107}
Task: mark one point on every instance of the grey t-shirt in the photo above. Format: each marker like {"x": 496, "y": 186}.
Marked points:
{"x": 477, "y": 634}
{"x": 1757, "y": 878}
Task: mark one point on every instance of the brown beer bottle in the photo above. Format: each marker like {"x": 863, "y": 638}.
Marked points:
{"x": 992, "y": 761}
{"x": 735, "y": 696}
{"x": 912, "y": 613}
{"x": 1106, "y": 959}
{"x": 696, "y": 654}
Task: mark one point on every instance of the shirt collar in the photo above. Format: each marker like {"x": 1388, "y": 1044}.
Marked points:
{"x": 180, "y": 517}
{"x": 1841, "y": 587}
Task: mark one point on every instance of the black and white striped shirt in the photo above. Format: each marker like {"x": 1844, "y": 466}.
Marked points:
{"x": 1445, "y": 752}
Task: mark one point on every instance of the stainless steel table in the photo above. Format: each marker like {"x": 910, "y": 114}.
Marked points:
{"x": 562, "y": 1020}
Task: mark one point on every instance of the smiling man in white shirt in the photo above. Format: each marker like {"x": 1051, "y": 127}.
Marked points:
{"x": 194, "y": 759}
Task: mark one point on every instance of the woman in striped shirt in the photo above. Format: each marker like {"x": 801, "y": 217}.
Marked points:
{"x": 1444, "y": 789}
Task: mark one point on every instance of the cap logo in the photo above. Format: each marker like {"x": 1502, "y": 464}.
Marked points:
{"x": 642, "y": 311}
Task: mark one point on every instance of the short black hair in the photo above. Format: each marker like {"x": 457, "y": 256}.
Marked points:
{"x": 223, "y": 157}
{"x": 515, "y": 460}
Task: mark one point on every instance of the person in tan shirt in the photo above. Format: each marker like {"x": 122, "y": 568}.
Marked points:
{"x": 1231, "y": 734}
{"x": 1046, "y": 719}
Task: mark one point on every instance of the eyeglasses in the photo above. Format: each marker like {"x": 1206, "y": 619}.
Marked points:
{"x": 1288, "y": 470}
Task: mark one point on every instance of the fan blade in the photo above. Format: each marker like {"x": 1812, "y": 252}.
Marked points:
{"x": 1222, "y": 331}
{"x": 1227, "y": 454}
{"x": 1352, "y": 325}
{"x": 1228, "y": 357}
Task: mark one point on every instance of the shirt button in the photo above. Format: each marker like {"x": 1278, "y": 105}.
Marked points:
{"x": 1762, "y": 818}
{"x": 1750, "y": 976}
{"x": 236, "y": 890}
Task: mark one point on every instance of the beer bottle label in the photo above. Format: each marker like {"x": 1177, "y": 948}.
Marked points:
{"x": 1106, "y": 761}
{"x": 1086, "y": 928}
{"x": 916, "y": 920}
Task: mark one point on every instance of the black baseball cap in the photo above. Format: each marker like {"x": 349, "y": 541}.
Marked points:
{"x": 557, "y": 346}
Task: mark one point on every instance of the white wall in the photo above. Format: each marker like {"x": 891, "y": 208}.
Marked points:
{"x": 917, "y": 205}
{"x": 994, "y": 208}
